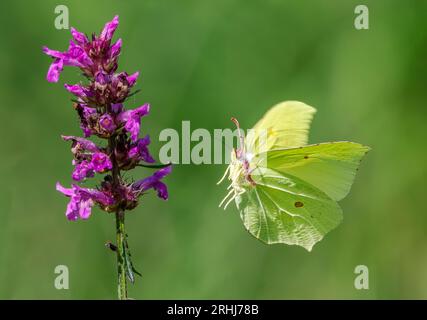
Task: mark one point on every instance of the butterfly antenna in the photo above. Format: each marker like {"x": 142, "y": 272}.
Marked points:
{"x": 231, "y": 199}
{"x": 224, "y": 176}
{"x": 236, "y": 194}
{"x": 225, "y": 198}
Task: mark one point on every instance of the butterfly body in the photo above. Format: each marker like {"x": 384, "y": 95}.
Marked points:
{"x": 287, "y": 191}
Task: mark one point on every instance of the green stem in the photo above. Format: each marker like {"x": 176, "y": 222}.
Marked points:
{"x": 120, "y": 225}
{"x": 121, "y": 258}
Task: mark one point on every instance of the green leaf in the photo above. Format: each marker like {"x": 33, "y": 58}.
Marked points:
{"x": 130, "y": 269}
{"x": 154, "y": 166}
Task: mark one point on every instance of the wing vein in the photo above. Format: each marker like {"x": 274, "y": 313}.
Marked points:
{"x": 264, "y": 214}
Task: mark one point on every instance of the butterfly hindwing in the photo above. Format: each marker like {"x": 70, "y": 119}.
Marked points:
{"x": 281, "y": 208}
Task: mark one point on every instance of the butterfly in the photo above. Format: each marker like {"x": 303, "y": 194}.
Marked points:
{"x": 285, "y": 190}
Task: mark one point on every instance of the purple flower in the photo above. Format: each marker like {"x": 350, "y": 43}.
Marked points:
{"x": 82, "y": 170}
{"x": 79, "y": 38}
{"x": 102, "y": 79}
{"x": 117, "y": 108}
{"x": 109, "y": 29}
{"x": 101, "y": 162}
{"x": 75, "y": 56}
{"x": 55, "y": 70}
{"x": 79, "y": 50}
{"x": 132, "y": 79}
{"x": 101, "y": 112}
{"x": 54, "y": 53}
{"x": 82, "y": 201}
{"x": 132, "y": 119}
{"x": 78, "y": 90}
{"x": 81, "y": 144}
{"x": 88, "y": 158}
{"x": 86, "y": 116}
{"x": 97, "y": 162}
{"x": 107, "y": 123}
{"x": 115, "y": 49}
{"x": 154, "y": 182}
{"x": 140, "y": 150}
{"x": 119, "y": 87}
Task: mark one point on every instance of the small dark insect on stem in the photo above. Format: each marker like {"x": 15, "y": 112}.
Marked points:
{"x": 111, "y": 246}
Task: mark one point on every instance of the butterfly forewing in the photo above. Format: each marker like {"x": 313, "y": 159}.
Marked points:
{"x": 285, "y": 125}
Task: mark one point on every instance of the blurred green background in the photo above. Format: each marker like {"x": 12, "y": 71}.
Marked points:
{"x": 205, "y": 61}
